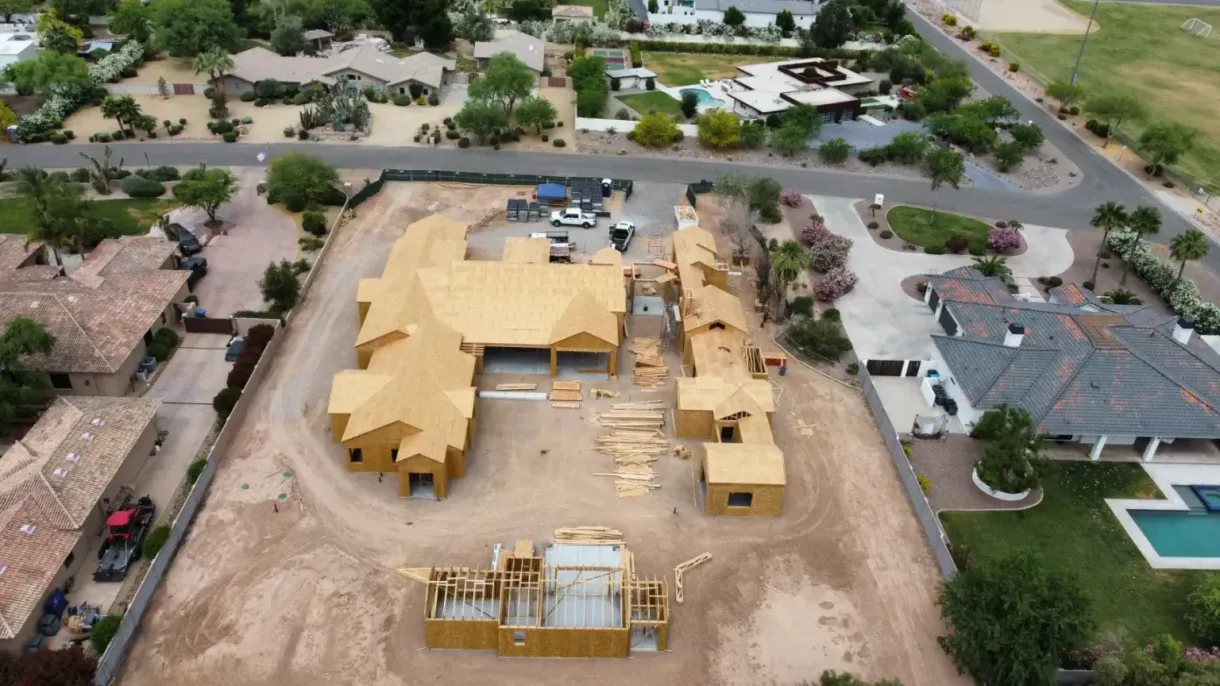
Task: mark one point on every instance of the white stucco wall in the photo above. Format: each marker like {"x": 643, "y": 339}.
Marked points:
{"x": 966, "y": 413}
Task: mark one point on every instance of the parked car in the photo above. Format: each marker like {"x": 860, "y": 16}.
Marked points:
{"x": 198, "y": 266}
{"x": 573, "y": 217}
{"x": 236, "y": 345}
{"x": 188, "y": 244}
{"x": 621, "y": 235}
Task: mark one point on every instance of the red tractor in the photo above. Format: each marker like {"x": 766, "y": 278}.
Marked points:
{"x": 125, "y": 531}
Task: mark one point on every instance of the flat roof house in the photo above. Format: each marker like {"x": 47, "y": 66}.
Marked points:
{"x": 16, "y": 45}
{"x": 1085, "y": 370}
{"x": 56, "y": 484}
{"x": 773, "y": 87}
{"x": 531, "y": 51}
{"x": 758, "y": 13}
{"x": 576, "y": 13}
{"x": 358, "y": 64}
{"x": 102, "y": 316}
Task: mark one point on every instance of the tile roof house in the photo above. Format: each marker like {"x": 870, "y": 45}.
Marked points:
{"x": 55, "y": 484}
{"x": 531, "y": 51}
{"x": 360, "y": 64}
{"x": 1086, "y": 371}
{"x": 102, "y": 315}
{"x": 758, "y": 13}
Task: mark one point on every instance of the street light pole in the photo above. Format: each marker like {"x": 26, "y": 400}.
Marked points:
{"x": 1085, "y": 39}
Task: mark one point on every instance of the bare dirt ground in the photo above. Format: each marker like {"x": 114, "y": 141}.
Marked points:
{"x": 308, "y": 595}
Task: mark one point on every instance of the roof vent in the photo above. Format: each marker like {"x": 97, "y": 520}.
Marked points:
{"x": 87, "y": 437}
{"x": 3, "y": 569}
{"x": 98, "y": 421}
{"x": 1014, "y": 335}
{"x": 60, "y": 472}
{"x": 28, "y": 529}
{"x": 73, "y": 457}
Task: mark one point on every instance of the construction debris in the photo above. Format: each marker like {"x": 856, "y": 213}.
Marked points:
{"x": 415, "y": 573}
{"x": 650, "y": 369}
{"x": 516, "y": 387}
{"x": 603, "y": 393}
{"x": 685, "y": 567}
{"x": 683, "y": 452}
{"x": 589, "y": 535}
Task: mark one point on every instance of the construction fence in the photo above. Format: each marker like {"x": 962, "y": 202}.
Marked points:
{"x": 112, "y": 660}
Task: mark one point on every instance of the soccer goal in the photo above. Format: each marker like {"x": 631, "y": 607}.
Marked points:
{"x": 1197, "y": 27}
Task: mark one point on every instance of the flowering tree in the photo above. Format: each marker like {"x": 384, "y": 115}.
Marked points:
{"x": 834, "y": 285}
{"x": 1005, "y": 239}
{"x": 790, "y": 198}
{"x": 814, "y": 233}
{"x": 830, "y": 254}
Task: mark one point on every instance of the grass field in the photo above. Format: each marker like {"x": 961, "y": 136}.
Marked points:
{"x": 656, "y": 100}
{"x": 130, "y": 217}
{"x": 682, "y": 69}
{"x": 599, "y": 6}
{"x": 1073, "y": 529}
{"x": 915, "y": 226}
{"x": 1141, "y": 49}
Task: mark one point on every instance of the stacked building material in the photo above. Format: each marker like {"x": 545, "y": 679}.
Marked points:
{"x": 650, "y": 369}
{"x": 565, "y": 395}
{"x": 589, "y": 535}
{"x": 635, "y": 442}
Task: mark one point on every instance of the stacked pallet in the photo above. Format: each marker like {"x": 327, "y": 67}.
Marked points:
{"x": 565, "y": 395}
{"x": 650, "y": 369}
{"x": 589, "y": 535}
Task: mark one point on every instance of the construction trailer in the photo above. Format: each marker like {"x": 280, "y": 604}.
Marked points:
{"x": 575, "y": 601}
{"x": 743, "y": 479}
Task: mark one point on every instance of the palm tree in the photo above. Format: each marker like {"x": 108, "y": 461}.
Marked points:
{"x": 1122, "y": 296}
{"x": 37, "y": 185}
{"x": 1144, "y": 221}
{"x": 788, "y": 260}
{"x": 1107, "y": 217}
{"x": 1187, "y": 247}
{"x": 216, "y": 62}
{"x": 992, "y": 266}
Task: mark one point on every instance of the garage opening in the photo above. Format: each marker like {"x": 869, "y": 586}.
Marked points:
{"x": 420, "y": 485}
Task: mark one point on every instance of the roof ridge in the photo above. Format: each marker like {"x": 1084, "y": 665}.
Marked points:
{"x": 1159, "y": 370}
{"x": 994, "y": 344}
{"x": 110, "y": 366}
{"x": 1059, "y": 396}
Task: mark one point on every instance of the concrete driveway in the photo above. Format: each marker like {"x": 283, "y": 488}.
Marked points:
{"x": 197, "y": 371}
{"x": 258, "y": 234}
{"x": 882, "y": 321}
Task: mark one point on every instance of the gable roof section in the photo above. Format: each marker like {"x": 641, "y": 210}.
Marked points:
{"x": 744, "y": 463}
{"x": 717, "y": 352}
{"x": 125, "y": 255}
{"x": 585, "y": 315}
{"x": 709, "y": 305}
{"x": 522, "y": 249}
{"x": 694, "y": 247}
{"x": 258, "y": 64}
{"x": 530, "y": 50}
{"x": 707, "y": 393}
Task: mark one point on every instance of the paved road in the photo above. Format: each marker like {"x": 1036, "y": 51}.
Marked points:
{"x": 1195, "y": 3}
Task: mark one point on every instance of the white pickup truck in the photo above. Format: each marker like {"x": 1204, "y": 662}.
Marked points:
{"x": 573, "y": 217}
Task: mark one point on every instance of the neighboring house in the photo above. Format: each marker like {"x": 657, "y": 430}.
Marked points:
{"x": 17, "y": 45}
{"x": 358, "y": 64}
{"x": 575, "y": 13}
{"x": 773, "y": 87}
{"x": 636, "y": 77}
{"x": 102, "y": 316}
{"x": 531, "y": 51}
{"x": 1086, "y": 371}
{"x": 319, "y": 39}
{"x": 56, "y": 484}
{"x": 758, "y": 13}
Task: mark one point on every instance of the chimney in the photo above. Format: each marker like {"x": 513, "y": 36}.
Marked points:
{"x": 1016, "y": 334}
{"x": 1183, "y": 329}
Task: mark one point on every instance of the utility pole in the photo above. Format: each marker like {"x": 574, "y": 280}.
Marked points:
{"x": 1083, "y": 41}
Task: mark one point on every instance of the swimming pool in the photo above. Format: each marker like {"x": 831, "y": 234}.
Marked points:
{"x": 1194, "y": 533}
{"x": 705, "y": 98}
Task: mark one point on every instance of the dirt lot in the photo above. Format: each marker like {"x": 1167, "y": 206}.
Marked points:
{"x": 308, "y": 595}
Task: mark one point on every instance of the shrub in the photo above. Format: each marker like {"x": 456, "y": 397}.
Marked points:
{"x": 433, "y": 100}
{"x": 790, "y": 198}
{"x": 314, "y": 223}
{"x": 182, "y": 121}
{"x": 155, "y": 540}
{"x": 103, "y": 138}
{"x": 162, "y": 174}
{"x": 887, "y": 234}
{"x": 885, "y": 87}
{"x": 158, "y": 350}
{"x": 103, "y": 632}
{"x": 948, "y": 19}
{"x": 290, "y": 132}
{"x": 873, "y": 225}
{"x": 80, "y": 175}
{"x": 1054, "y": 282}
{"x": 834, "y": 285}
{"x": 230, "y": 137}
{"x": 58, "y": 138}
{"x": 821, "y": 337}
{"x": 874, "y": 156}
{"x": 1087, "y": 285}
{"x": 853, "y": 368}
{"x": 248, "y": 96}
{"x": 209, "y": 93}
{"x": 921, "y": 287}
{"x": 225, "y": 401}
{"x": 1014, "y": 66}
{"x": 194, "y": 470}
{"x": 1003, "y": 239}
{"x": 1074, "y": 110}
{"x": 935, "y": 250}
{"x": 925, "y": 484}
{"x": 464, "y": 142}
{"x": 218, "y": 112}
{"x": 302, "y": 135}
{"x": 802, "y": 306}
{"x": 140, "y": 187}
{"x": 957, "y": 243}
{"x": 968, "y": 33}
{"x": 402, "y": 100}
{"x": 814, "y": 233}
{"x": 167, "y": 336}
{"x": 1204, "y": 614}
{"x": 310, "y": 243}
{"x": 558, "y": 143}
{"x": 830, "y": 254}
{"x": 832, "y": 314}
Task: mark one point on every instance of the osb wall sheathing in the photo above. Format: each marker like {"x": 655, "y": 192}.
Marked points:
{"x": 338, "y": 424}
{"x": 768, "y": 500}
{"x": 565, "y": 642}
{"x": 452, "y": 634}
{"x": 418, "y": 464}
{"x": 695, "y": 424}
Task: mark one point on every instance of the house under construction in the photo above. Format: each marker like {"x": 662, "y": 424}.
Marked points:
{"x": 426, "y": 325}
{"x": 726, "y": 398}
{"x": 575, "y": 600}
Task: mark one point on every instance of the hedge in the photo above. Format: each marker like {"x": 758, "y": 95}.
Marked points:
{"x": 139, "y": 187}
{"x": 1161, "y": 275}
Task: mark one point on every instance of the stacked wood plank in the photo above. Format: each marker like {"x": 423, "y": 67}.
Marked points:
{"x": 650, "y": 369}
{"x": 635, "y": 441}
{"x": 565, "y": 395}
{"x": 516, "y": 386}
{"x": 589, "y": 535}
{"x": 685, "y": 567}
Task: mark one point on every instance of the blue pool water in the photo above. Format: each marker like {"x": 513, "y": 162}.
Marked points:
{"x": 705, "y": 98}
{"x": 1195, "y": 533}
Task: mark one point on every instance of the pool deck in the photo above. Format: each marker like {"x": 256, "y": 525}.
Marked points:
{"x": 1166, "y": 476}
{"x": 715, "y": 91}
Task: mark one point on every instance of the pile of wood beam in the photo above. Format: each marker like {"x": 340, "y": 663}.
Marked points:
{"x": 685, "y": 567}
{"x": 589, "y": 535}
{"x": 639, "y": 414}
{"x": 650, "y": 369}
{"x": 516, "y": 387}
{"x": 565, "y": 395}
{"x": 635, "y": 441}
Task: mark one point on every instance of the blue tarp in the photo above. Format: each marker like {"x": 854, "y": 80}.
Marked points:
{"x": 552, "y": 191}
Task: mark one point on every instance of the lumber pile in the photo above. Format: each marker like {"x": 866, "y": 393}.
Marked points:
{"x": 589, "y": 535}
{"x": 685, "y": 567}
{"x": 650, "y": 369}
{"x": 640, "y": 414}
{"x": 635, "y": 441}
{"x": 565, "y": 395}
{"x": 516, "y": 387}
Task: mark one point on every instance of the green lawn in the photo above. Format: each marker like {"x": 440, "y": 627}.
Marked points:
{"x": 1141, "y": 49}
{"x": 130, "y": 217}
{"x": 599, "y": 6}
{"x": 682, "y": 69}
{"x": 1074, "y": 529}
{"x": 656, "y": 100}
{"x": 914, "y": 225}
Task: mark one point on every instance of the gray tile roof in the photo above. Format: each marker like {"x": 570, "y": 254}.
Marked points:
{"x": 531, "y": 51}
{"x": 1083, "y": 369}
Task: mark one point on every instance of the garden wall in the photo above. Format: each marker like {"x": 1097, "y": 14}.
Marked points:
{"x": 625, "y": 125}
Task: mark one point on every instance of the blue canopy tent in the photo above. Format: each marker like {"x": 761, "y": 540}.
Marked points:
{"x": 552, "y": 193}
